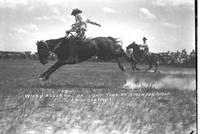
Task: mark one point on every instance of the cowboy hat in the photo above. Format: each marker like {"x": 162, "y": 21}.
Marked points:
{"x": 76, "y": 11}
{"x": 144, "y": 38}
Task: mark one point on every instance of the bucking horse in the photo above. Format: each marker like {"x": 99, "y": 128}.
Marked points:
{"x": 140, "y": 55}
{"x": 103, "y": 47}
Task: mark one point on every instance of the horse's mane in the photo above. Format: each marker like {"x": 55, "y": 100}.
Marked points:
{"x": 55, "y": 41}
{"x": 116, "y": 40}
{"x": 52, "y": 40}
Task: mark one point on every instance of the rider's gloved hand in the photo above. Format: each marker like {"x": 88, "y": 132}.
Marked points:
{"x": 73, "y": 25}
{"x": 67, "y": 32}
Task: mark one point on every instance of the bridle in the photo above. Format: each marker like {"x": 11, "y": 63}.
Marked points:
{"x": 46, "y": 49}
{"x": 46, "y": 45}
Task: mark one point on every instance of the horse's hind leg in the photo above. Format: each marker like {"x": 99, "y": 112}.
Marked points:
{"x": 137, "y": 68}
{"x": 120, "y": 66}
{"x": 156, "y": 64}
{"x": 133, "y": 62}
{"x": 133, "y": 66}
{"x": 129, "y": 59}
{"x": 150, "y": 66}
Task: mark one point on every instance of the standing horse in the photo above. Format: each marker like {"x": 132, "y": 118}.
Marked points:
{"x": 103, "y": 47}
{"x": 151, "y": 58}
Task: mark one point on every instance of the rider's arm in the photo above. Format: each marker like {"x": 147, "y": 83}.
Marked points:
{"x": 94, "y": 23}
{"x": 71, "y": 30}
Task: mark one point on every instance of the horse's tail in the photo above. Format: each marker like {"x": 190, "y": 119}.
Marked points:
{"x": 117, "y": 41}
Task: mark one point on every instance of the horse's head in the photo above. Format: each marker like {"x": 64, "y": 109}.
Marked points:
{"x": 132, "y": 45}
{"x": 135, "y": 49}
{"x": 43, "y": 51}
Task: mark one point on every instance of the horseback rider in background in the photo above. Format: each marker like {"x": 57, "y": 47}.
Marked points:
{"x": 80, "y": 25}
{"x": 144, "y": 48}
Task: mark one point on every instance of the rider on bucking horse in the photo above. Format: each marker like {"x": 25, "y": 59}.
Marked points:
{"x": 80, "y": 25}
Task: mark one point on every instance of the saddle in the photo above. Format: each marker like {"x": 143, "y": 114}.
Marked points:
{"x": 76, "y": 37}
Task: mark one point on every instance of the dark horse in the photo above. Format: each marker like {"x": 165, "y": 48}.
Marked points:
{"x": 103, "y": 47}
{"x": 151, "y": 58}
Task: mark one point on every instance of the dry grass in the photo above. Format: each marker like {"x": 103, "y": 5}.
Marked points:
{"x": 88, "y": 98}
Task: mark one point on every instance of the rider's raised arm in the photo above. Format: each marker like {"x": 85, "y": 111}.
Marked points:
{"x": 94, "y": 23}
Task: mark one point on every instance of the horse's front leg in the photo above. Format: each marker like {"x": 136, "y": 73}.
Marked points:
{"x": 134, "y": 63}
{"x": 137, "y": 68}
{"x": 120, "y": 66}
{"x": 57, "y": 65}
{"x": 43, "y": 74}
{"x": 53, "y": 68}
{"x": 156, "y": 64}
{"x": 131, "y": 60}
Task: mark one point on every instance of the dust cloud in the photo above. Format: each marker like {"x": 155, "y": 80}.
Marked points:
{"x": 169, "y": 81}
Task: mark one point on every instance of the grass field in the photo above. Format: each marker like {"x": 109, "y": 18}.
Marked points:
{"x": 93, "y": 97}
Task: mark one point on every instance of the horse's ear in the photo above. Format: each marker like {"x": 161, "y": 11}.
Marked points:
{"x": 37, "y": 42}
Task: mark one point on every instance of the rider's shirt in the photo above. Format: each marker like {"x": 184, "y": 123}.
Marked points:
{"x": 80, "y": 25}
{"x": 144, "y": 44}
{"x": 81, "y": 21}
{"x": 145, "y": 47}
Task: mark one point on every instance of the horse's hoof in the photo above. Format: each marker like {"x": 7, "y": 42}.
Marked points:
{"x": 124, "y": 68}
{"x": 40, "y": 76}
{"x": 43, "y": 78}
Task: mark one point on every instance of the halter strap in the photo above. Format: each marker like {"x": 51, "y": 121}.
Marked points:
{"x": 45, "y": 43}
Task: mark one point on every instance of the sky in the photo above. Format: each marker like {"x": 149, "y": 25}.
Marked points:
{"x": 168, "y": 25}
